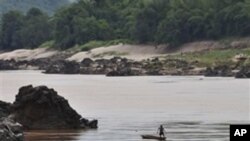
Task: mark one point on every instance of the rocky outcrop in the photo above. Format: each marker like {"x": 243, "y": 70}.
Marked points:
{"x": 10, "y": 130}
{"x": 38, "y": 108}
{"x": 42, "y": 108}
{"x": 118, "y": 66}
{"x": 4, "y": 109}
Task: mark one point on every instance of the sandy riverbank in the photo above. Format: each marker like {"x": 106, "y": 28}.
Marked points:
{"x": 134, "y": 52}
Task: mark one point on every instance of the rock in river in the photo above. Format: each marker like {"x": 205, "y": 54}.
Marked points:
{"x": 42, "y": 108}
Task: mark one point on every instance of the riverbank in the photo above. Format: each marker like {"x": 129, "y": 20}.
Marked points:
{"x": 227, "y": 58}
{"x": 213, "y": 63}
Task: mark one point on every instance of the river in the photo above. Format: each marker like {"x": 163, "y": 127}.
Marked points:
{"x": 192, "y": 108}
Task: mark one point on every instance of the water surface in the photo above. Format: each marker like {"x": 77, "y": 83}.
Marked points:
{"x": 191, "y": 108}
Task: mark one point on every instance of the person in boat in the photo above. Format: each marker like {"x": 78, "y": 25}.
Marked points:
{"x": 161, "y": 131}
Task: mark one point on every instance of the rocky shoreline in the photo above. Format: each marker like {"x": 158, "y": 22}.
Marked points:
{"x": 118, "y": 66}
{"x": 38, "y": 108}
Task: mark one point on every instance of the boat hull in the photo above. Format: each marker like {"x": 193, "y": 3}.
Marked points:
{"x": 153, "y": 137}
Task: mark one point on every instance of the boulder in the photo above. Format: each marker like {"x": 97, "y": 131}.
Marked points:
{"x": 42, "y": 108}
{"x": 87, "y": 62}
{"x": 10, "y": 130}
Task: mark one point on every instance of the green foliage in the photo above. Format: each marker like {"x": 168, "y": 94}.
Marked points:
{"x": 95, "y": 44}
{"x": 94, "y": 20}
{"x": 25, "y": 31}
{"x": 47, "y": 44}
{"x": 12, "y": 22}
{"x": 110, "y": 53}
{"x": 213, "y": 57}
{"x": 91, "y": 45}
{"x": 187, "y": 21}
{"x": 172, "y": 22}
{"x": 37, "y": 28}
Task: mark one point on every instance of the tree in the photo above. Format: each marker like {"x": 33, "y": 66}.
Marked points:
{"x": 37, "y": 28}
{"x": 12, "y": 22}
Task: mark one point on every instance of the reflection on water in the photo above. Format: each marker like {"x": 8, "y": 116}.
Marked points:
{"x": 53, "y": 135}
{"x": 191, "y": 108}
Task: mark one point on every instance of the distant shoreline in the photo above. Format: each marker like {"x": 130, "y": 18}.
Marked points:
{"x": 207, "y": 58}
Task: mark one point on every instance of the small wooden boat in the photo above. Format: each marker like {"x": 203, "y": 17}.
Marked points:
{"x": 153, "y": 137}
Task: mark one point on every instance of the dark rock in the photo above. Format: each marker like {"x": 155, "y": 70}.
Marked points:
{"x": 42, "y": 63}
{"x": 223, "y": 71}
{"x": 243, "y": 73}
{"x": 93, "y": 124}
{"x": 63, "y": 67}
{"x": 10, "y": 130}
{"x": 102, "y": 61}
{"x": 124, "y": 60}
{"x": 113, "y": 73}
{"x": 124, "y": 72}
{"x": 210, "y": 72}
{"x": 116, "y": 59}
{"x": 87, "y": 62}
{"x": 8, "y": 65}
{"x": 4, "y": 109}
{"x": 154, "y": 72}
{"x": 42, "y": 108}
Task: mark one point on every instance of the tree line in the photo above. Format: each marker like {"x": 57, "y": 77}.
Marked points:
{"x": 172, "y": 22}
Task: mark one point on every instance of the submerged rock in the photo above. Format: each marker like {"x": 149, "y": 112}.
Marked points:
{"x": 10, "y": 130}
{"x": 42, "y": 108}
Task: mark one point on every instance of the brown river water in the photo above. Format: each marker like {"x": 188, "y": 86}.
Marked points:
{"x": 191, "y": 108}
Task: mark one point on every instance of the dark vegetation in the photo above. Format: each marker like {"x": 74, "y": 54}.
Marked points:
{"x": 172, "y": 22}
{"x": 49, "y": 6}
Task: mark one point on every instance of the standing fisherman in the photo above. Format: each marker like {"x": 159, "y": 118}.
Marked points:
{"x": 161, "y": 131}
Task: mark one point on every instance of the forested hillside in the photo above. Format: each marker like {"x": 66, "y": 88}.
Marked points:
{"x": 171, "y": 22}
{"x": 48, "y": 6}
